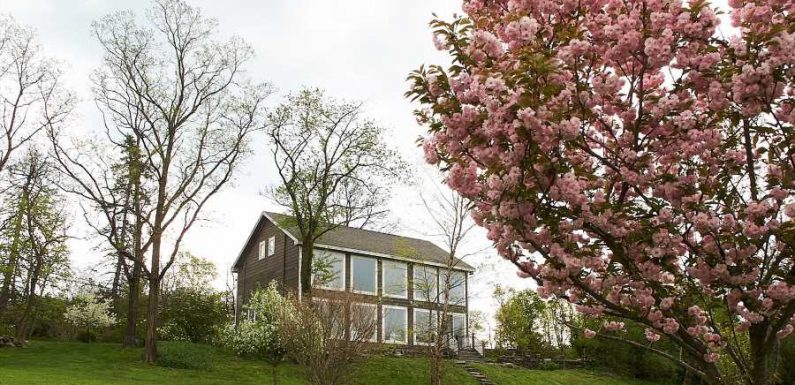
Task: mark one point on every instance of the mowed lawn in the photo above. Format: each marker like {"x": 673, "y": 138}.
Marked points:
{"x": 502, "y": 375}
{"x": 65, "y": 363}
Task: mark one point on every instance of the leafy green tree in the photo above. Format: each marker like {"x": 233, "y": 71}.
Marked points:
{"x": 335, "y": 168}
{"x": 519, "y": 322}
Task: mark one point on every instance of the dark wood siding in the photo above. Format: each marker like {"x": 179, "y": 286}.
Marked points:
{"x": 282, "y": 266}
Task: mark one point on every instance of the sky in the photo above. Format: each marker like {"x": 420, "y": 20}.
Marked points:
{"x": 354, "y": 49}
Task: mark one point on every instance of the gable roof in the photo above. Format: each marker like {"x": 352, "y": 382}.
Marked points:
{"x": 366, "y": 242}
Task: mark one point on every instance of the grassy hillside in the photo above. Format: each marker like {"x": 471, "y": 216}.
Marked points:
{"x": 507, "y": 376}
{"x": 99, "y": 364}
{"x": 45, "y": 363}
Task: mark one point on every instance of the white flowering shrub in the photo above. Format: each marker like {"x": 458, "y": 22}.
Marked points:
{"x": 89, "y": 313}
{"x": 258, "y": 334}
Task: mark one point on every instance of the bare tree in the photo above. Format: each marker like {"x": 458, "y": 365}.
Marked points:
{"x": 334, "y": 166}
{"x": 451, "y": 224}
{"x": 328, "y": 335}
{"x": 31, "y": 99}
{"x": 182, "y": 97}
{"x": 115, "y": 191}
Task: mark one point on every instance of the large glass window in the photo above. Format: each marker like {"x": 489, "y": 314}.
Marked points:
{"x": 394, "y": 279}
{"x": 395, "y": 322}
{"x": 328, "y": 270}
{"x": 425, "y": 324}
{"x": 425, "y": 283}
{"x": 363, "y": 271}
{"x": 364, "y": 319}
{"x": 456, "y": 286}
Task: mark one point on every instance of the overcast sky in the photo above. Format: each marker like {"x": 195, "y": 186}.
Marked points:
{"x": 359, "y": 50}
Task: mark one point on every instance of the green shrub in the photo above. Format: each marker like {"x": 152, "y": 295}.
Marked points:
{"x": 184, "y": 355}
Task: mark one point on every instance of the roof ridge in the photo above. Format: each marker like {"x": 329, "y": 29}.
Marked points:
{"x": 361, "y": 229}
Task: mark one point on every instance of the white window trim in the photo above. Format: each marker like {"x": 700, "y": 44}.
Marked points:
{"x": 344, "y": 261}
{"x": 434, "y": 298}
{"x": 262, "y": 250}
{"x": 405, "y": 340}
{"x": 431, "y": 314}
{"x": 375, "y": 275}
{"x": 372, "y": 305}
{"x": 405, "y": 279}
{"x": 271, "y": 245}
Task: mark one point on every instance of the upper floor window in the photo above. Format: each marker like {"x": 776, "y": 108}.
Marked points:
{"x": 455, "y": 285}
{"x": 271, "y": 246}
{"x": 328, "y": 269}
{"x": 262, "y": 249}
{"x": 425, "y": 283}
{"x": 394, "y": 279}
{"x": 363, "y": 272}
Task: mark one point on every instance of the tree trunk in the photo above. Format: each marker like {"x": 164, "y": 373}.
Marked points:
{"x": 131, "y": 336}
{"x": 306, "y": 265}
{"x": 436, "y": 365}
{"x": 9, "y": 273}
{"x": 275, "y": 374}
{"x": 760, "y": 354}
{"x": 150, "y": 355}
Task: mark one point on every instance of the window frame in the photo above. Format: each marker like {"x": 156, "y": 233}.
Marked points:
{"x": 375, "y": 275}
{"x": 431, "y": 314}
{"x": 342, "y": 276}
{"x": 261, "y": 250}
{"x": 271, "y": 246}
{"x": 435, "y": 298}
{"x": 405, "y": 309}
{"x": 375, "y": 331}
{"x": 453, "y": 316}
{"x": 462, "y": 287}
{"x": 386, "y": 262}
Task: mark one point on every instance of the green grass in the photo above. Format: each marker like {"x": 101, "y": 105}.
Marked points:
{"x": 65, "y": 363}
{"x": 502, "y": 375}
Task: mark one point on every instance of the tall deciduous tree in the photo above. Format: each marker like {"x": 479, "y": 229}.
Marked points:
{"x": 31, "y": 100}
{"x": 35, "y": 236}
{"x": 334, "y": 165}
{"x": 181, "y": 96}
{"x": 632, "y": 161}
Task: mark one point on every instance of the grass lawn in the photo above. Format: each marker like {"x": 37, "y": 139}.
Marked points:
{"x": 502, "y": 375}
{"x": 65, "y": 363}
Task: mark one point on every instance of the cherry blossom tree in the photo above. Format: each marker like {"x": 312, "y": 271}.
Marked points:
{"x": 633, "y": 160}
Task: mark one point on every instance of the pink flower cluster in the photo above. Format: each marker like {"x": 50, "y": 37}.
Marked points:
{"x": 638, "y": 165}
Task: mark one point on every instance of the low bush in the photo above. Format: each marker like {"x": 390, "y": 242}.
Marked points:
{"x": 184, "y": 355}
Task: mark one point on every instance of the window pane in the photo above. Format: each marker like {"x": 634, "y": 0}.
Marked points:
{"x": 394, "y": 324}
{"x": 395, "y": 279}
{"x": 328, "y": 269}
{"x": 363, "y": 270}
{"x": 425, "y": 283}
{"x": 424, "y": 326}
{"x": 459, "y": 325}
{"x": 456, "y": 286}
{"x": 364, "y": 317}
